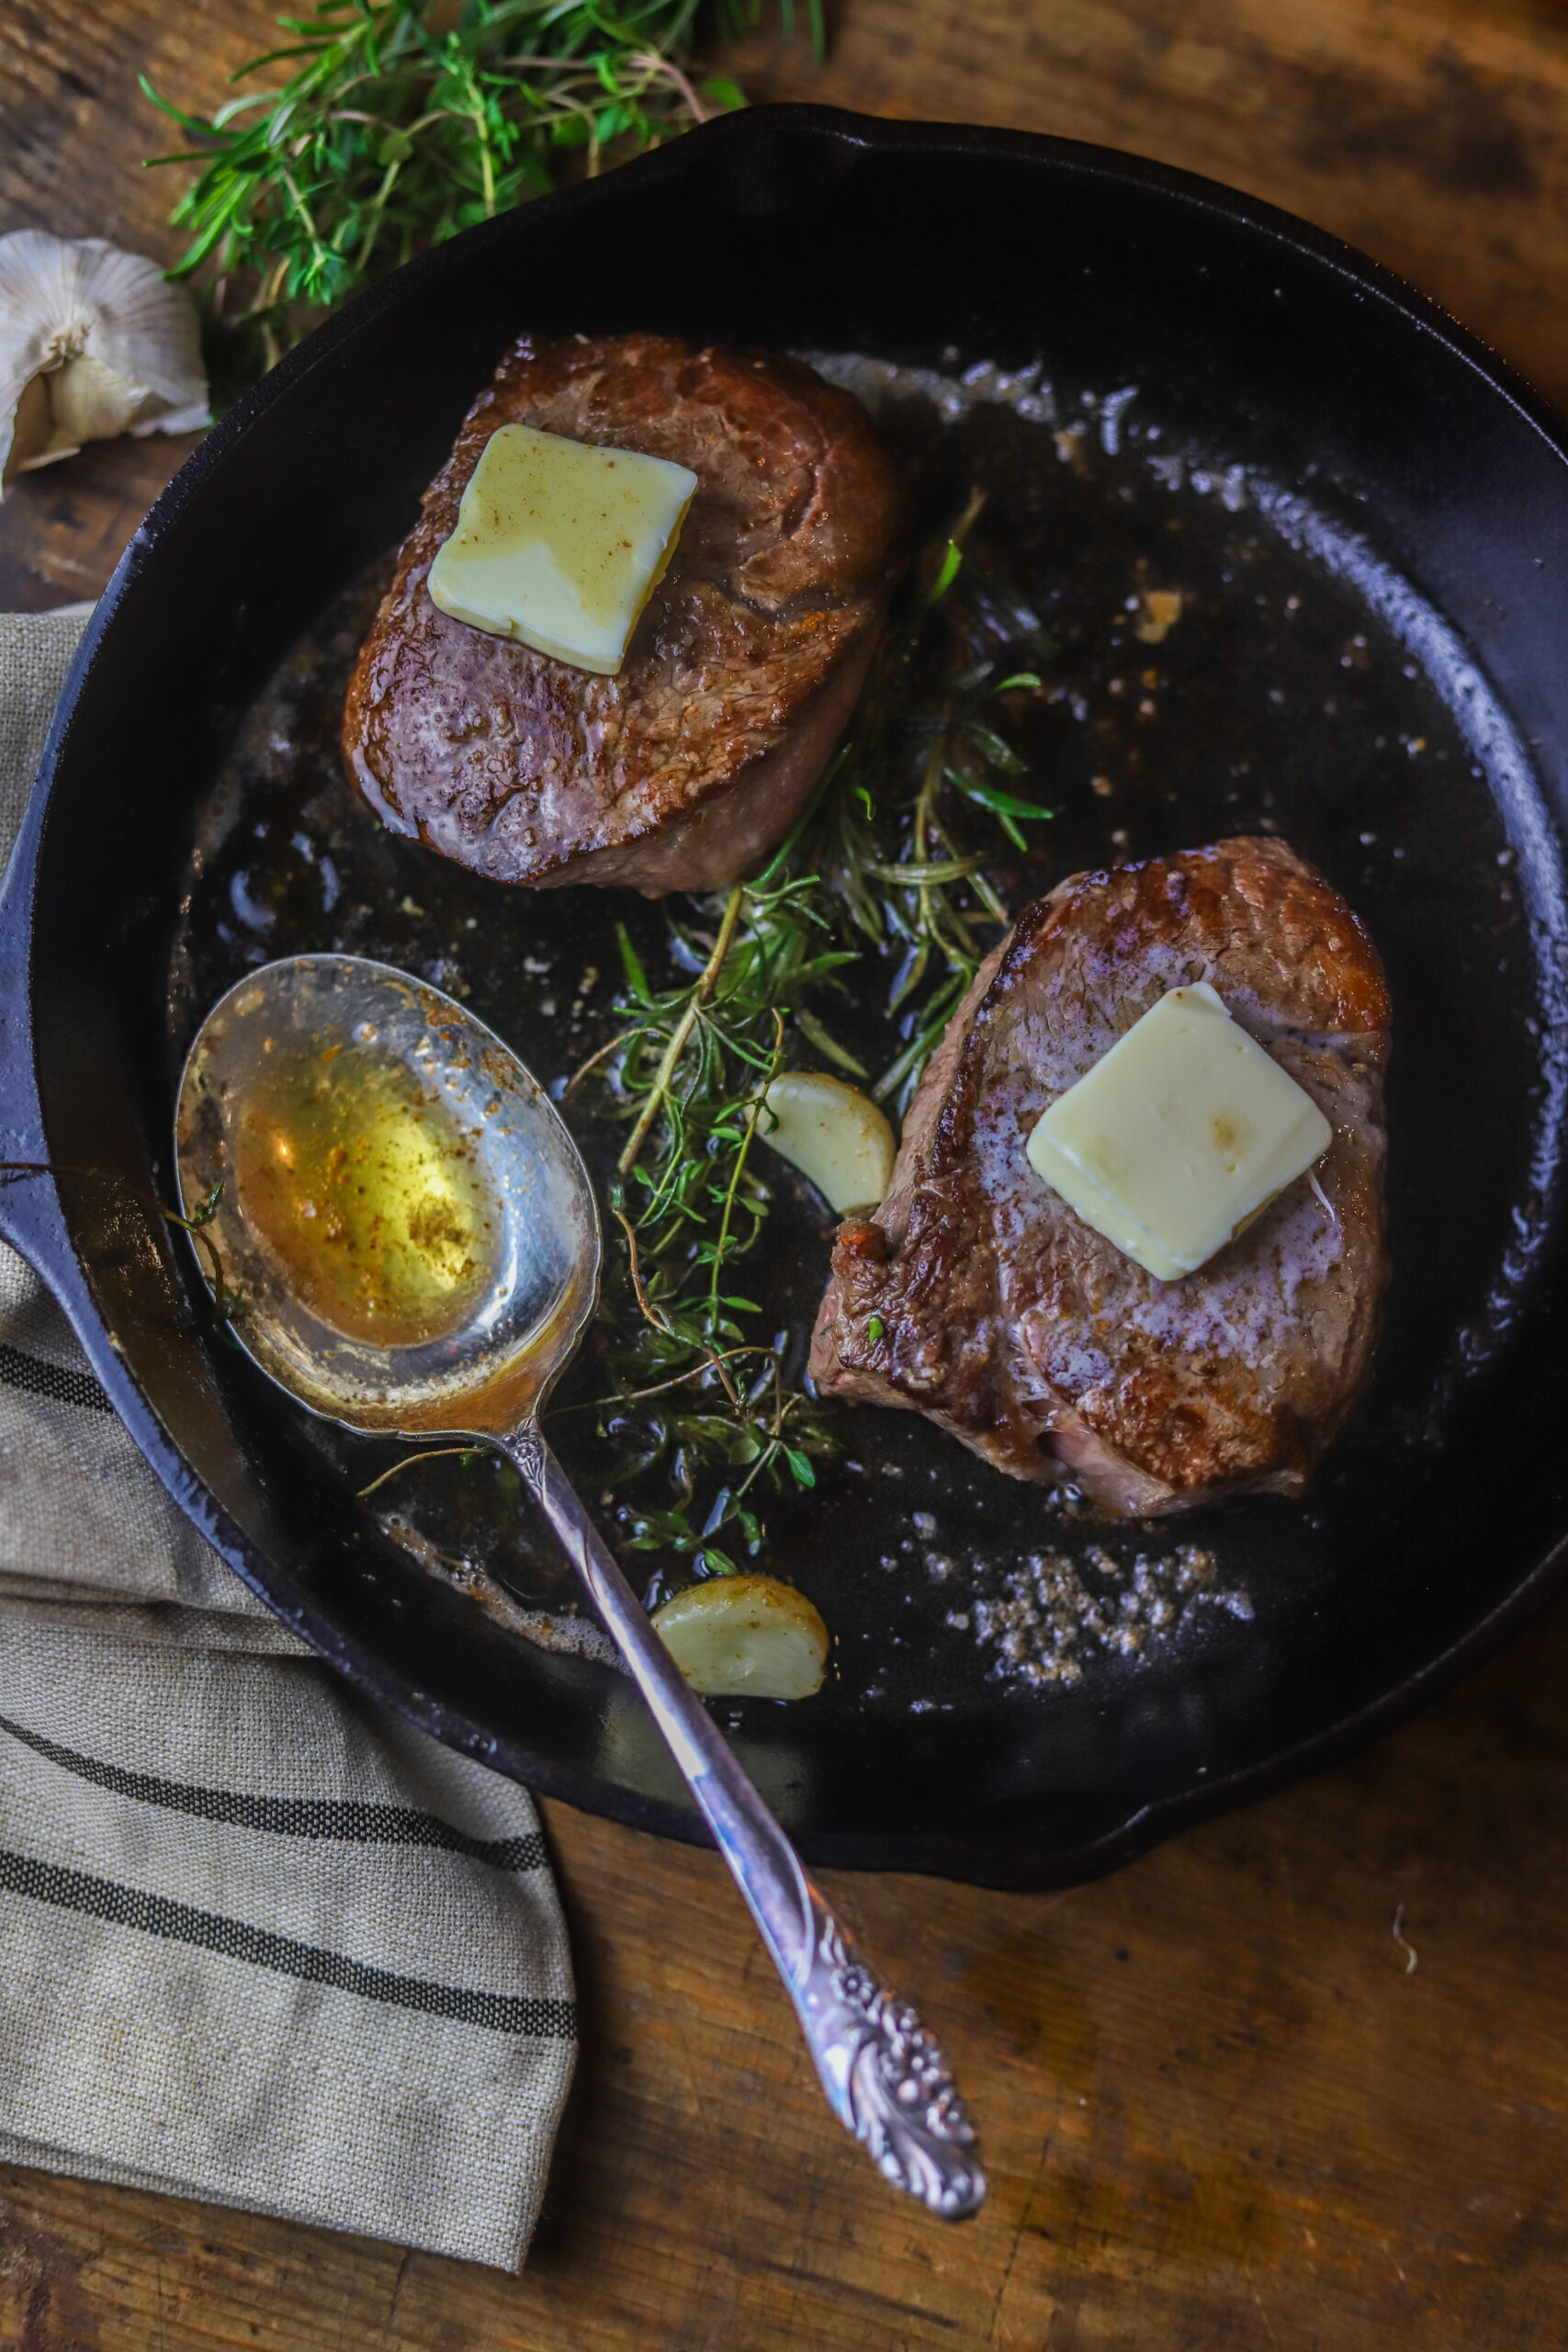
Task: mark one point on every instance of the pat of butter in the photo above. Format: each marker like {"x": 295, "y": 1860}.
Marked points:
{"x": 561, "y": 544}
{"x": 1181, "y": 1136}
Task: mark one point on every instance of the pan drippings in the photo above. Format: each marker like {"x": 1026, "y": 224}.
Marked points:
{"x": 364, "y": 1188}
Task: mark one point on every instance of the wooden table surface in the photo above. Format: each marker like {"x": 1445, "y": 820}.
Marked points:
{"x": 1223, "y": 2103}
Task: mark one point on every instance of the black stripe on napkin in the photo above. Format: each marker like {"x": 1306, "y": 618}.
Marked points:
{"x": 65, "y": 1386}
{"x": 334, "y": 1818}
{"x": 154, "y": 1915}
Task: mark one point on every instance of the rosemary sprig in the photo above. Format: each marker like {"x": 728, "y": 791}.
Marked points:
{"x": 395, "y": 127}
{"x": 888, "y": 863}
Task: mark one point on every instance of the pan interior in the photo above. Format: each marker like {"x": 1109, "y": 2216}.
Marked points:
{"x": 1304, "y": 689}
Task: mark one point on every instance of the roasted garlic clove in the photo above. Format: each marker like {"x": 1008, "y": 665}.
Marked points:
{"x": 745, "y": 1637}
{"x": 836, "y": 1137}
{"x": 92, "y": 341}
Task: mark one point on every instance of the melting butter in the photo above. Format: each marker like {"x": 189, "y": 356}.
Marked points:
{"x": 561, "y": 544}
{"x": 1179, "y": 1135}
{"x": 366, "y": 1190}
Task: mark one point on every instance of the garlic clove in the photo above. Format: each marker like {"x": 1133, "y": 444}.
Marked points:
{"x": 89, "y": 402}
{"x": 93, "y": 343}
{"x": 837, "y": 1137}
{"x": 745, "y": 1637}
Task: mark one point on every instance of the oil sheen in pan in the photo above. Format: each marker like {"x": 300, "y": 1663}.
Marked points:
{"x": 1231, "y": 658}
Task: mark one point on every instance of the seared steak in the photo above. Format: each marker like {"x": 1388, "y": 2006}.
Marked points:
{"x": 977, "y": 1297}
{"x": 681, "y": 772}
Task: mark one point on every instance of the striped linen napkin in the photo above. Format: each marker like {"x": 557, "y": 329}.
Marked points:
{"x": 261, "y": 1943}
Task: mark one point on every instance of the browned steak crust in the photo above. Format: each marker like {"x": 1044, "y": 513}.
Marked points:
{"x": 682, "y": 771}
{"x": 1012, "y": 1323}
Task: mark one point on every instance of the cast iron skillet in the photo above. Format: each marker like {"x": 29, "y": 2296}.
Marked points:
{"x": 807, "y": 228}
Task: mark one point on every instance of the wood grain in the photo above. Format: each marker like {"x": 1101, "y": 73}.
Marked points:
{"x": 1218, "y": 2109}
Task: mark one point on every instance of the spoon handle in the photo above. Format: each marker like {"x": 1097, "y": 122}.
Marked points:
{"x": 885, "y": 2077}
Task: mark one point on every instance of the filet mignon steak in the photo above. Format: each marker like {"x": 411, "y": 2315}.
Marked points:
{"x": 682, "y": 771}
{"x": 977, "y": 1297}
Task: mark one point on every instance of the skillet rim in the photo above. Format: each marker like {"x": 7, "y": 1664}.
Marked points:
{"x": 32, "y": 1214}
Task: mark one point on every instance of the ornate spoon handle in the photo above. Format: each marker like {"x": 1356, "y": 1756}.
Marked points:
{"x": 885, "y": 2077}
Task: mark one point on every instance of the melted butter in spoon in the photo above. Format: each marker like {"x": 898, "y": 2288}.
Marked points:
{"x": 365, "y": 1189}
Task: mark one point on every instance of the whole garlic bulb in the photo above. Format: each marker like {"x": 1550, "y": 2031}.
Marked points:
{"x": 92, "y": 341}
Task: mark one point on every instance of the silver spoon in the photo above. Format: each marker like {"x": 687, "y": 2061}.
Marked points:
{"x": 416, "y": 1244}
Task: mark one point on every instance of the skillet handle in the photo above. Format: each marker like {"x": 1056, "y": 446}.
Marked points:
{"x": 28, "y": 1206}
{"x": 23, "y": 1177}
{"x": 29, "y": 1209}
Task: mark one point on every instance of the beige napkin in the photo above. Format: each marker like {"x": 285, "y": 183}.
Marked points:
{"x": 261, "y": 1943}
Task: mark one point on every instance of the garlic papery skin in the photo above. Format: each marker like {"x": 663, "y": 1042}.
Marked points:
{"x": 92, "y": 341}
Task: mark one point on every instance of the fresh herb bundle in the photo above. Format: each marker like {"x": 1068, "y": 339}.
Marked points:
{"x": 402, "y": 121}
{"x": 887, "y": 863}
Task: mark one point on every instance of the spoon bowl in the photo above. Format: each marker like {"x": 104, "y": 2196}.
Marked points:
{"x": 403, "y": 1236}
{"x": 404, "y": 1214}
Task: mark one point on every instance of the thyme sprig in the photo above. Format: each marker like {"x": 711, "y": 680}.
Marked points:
{"x": 227, "y": 1301}
{"x": 395, "y": 127}
{"x": 887, "y": 863}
